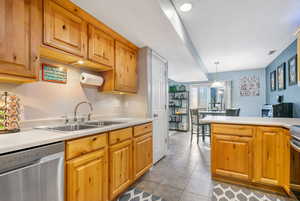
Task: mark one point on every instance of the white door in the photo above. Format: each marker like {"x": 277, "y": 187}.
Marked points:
{"x": 159, "y": 106}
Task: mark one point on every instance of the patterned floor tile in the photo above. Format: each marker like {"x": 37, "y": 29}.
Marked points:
{"x": 138, "y": 195}
{"x": 184, "y": 175}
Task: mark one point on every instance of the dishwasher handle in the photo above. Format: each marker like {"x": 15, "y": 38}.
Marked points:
{"x": 19, "y": 159}
{"x": 34, "y": 163}
{"x": 21, "y": 168}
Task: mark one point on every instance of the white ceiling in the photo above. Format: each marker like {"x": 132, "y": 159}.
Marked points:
{"x": 237, "y": 33}
{"x": 144, "y": 24}
{"x": 240, "y": 33}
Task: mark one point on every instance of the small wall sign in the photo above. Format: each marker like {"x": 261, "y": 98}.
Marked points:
{"x": 53, "y": 73}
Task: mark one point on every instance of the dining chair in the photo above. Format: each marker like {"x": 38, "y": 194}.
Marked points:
{"x": 233, "y": 112}
{"x": 196, "y": 124}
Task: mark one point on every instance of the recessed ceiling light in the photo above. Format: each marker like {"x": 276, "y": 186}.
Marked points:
{"x": 186, "y": 7}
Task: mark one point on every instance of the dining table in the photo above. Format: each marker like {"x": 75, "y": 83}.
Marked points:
{"x": 205, "y": 113}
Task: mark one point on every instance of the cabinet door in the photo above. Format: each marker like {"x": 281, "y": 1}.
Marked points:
{"x": 18, "y": 52}
{"x": 125, "y": 69}
{"x": 120, "y": 166}
{"x": 269, "y": 155}
{"x": 232, "y": 156}
{"x": 101, "y": 47}
{"x": 142, "y": 155}
{"x": 132, "y": 69}
{"x": 87, "y": 177}
{"x": 285, "y": 173}
{"x": 64, "y": 30}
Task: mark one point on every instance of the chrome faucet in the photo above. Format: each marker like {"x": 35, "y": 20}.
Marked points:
{"x": 77, "y": 106}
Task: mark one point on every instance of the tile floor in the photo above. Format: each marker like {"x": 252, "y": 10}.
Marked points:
{"x": 184, "y": 175}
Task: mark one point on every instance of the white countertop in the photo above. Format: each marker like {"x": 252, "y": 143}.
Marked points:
{"x": 281, "y": 122}
{"x": 36, "y": 137}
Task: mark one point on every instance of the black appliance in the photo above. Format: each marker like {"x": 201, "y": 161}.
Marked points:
{"x": 283, "y": 110}
{"x": 278, "y": 110}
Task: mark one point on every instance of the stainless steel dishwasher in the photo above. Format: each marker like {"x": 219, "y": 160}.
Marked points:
{"x": 35, "y": 174}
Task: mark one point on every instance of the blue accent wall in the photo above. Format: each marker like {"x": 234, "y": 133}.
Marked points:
{"x": 250, "y": 105}
{"x": 291, "y": 93}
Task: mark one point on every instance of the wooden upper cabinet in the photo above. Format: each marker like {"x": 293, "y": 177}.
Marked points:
{"x": 271, "y": 147}
{"x": 232, "y": 156}
{"x": 64, "y": 30}
{"x": 101, "y": 47}
{"x": 87, "y": 177}
{"x": 120, "y": 166}
{"x": 125, "y": 68}
{"x": 19, "y": 37}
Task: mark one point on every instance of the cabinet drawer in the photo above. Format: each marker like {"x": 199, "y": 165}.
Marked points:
{"x": 85, "y": 145}
{"x": 142, "y": 129}
{"x": 120, "y": 135}
{"x": 239, "y": 130}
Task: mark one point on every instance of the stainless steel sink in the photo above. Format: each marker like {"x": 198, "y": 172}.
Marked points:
{"x": 81, "y": 126}
{"x": 69, "y": 127}
{"x": 102, "y": 123}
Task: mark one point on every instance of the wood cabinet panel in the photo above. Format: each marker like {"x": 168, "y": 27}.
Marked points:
{"x": 19, "y": 37}
{"x": 142, "y": 129}
{"x": 87, "y": 177}
{"x": 142, "y": 155}
{"x": 64, "y": 30}
{"x": 239, "y": 130}
{"x": 101, "y": 47}
{"x": 125, "y": 69}
{"x": 85, "y": 145}
{"x": 295, "y": 167}
{"x": 232, "y": 156}
{"x": 120, "y": 135}
{"x": 120, "y": 167}
{"x": 271, "y": 147}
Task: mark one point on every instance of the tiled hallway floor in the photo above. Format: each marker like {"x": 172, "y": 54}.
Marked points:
{"x": 184, "y": 175}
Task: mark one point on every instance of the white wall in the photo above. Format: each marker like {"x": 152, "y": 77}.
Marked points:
{"x": 42, "y": 99}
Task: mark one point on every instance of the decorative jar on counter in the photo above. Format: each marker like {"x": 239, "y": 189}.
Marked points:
{"x": 9, "y": 113}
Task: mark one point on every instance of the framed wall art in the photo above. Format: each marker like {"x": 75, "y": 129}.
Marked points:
{"x": 292, "y": 70}
{"x": 281, "y": 77}
{"x": 273, "y": 80}
{"x": 52, "y": 73}
{"x": 249, "y": 86}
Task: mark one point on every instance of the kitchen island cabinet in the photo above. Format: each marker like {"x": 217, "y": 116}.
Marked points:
{"x": 256, "y": 156}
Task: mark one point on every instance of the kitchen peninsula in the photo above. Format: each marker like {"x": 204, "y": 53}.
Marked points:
{"x": 254, "y": 152}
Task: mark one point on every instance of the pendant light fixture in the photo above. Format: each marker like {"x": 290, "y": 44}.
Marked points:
{"x": 216, "y": 83}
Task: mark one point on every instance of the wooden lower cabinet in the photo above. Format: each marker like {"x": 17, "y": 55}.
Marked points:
{"x": 120, "y": 168}
{"x": 260, "y": 159}
{"x": 232, "y": 156}
{"x": 87, "y": 177}
{"x": 142, "y": 155}
{"x": 272, "y": 161}
{"x": 295, "y": 167}
{"x": 101, "y": 167}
